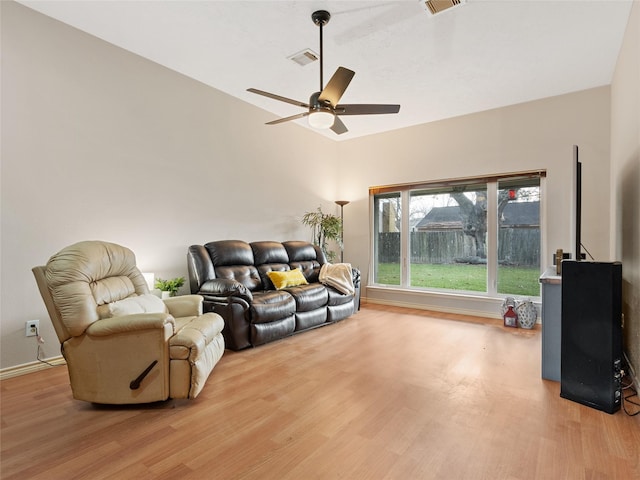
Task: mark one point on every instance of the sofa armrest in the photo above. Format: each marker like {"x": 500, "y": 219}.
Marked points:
{"x": 184, "y": 305}
{"x": 222, "y": 287}
{"x": 225, "y": 301}
{"x": 200, "y": 267}
{"x": 130, "y": 323}
{"x": 355, "y": 275}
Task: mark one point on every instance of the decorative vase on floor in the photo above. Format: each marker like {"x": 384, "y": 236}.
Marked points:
{"x": 527, "y": 314}
{"x": 508, "y": 302}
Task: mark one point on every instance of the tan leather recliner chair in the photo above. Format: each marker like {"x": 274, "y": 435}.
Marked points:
{"x": 123, "y": 345}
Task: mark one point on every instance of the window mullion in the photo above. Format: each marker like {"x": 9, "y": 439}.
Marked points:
{"x": 492, "y": 238}
{"x": 405, "y": 236}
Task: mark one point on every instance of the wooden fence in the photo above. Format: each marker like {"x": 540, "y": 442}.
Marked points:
{"x": 516, "y": 246}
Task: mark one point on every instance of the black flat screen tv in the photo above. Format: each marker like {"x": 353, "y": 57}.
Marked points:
{"x": 577, "y": 188}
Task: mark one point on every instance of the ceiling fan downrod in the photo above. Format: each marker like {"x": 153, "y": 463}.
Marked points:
{"x": 321, "y": 18}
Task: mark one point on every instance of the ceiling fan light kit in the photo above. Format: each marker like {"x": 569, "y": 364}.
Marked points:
{"x": 323, "y": 108}
{"x": 321, "y": 119}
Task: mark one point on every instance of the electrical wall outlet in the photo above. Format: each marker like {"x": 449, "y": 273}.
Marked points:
{"x": 31, "y": 328}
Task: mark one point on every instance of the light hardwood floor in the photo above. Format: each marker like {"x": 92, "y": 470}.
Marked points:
{"x": 389, "y": 393}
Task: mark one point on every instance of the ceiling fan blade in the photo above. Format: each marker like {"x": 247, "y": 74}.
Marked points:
{"x": 286, "y": 119}
{"x": 278, "y": 97}
{"x": 339, "y": 127}
{"x": 334, "y": 90}
{"x": 366, "y": 109}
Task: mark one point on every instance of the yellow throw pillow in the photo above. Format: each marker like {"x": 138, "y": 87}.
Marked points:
{"x": 290, "y": 278}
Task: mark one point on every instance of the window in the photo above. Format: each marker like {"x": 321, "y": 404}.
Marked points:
{"x": 519, "y": 237}
{"x": 387, "y": 222}
{"x": 476, "y": 235}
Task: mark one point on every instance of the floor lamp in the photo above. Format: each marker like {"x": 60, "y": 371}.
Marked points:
{"x": 342, "y": 203}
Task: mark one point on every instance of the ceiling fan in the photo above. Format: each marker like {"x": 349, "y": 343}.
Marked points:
{"x": 323, "y": 109}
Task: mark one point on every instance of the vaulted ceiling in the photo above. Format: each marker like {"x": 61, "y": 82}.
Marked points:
{"x": 480, "y": 55}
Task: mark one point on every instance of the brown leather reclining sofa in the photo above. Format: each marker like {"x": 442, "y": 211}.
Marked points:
{"x": 233, "y": 277}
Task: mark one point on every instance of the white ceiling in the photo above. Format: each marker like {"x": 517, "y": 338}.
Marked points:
{"x": 482, "y": 55}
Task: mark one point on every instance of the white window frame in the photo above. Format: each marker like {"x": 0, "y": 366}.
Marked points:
{"x": 491, "y": 183}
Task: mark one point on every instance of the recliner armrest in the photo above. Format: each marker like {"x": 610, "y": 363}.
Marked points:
{"x": 130, "y": 323}
{"x": 184, "y": 305}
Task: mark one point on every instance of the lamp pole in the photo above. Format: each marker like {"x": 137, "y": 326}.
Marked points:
{"x": 342, "y": 203}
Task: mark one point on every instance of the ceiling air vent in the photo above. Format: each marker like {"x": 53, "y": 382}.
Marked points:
{"x": 438, "y": 6}
{"x": 305, "y": 57}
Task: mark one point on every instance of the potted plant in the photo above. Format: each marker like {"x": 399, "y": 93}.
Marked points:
{"x": 169, "y": 288}
{"x": 325, "y": 227}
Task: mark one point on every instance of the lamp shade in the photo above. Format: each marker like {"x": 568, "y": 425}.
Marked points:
{"x": 150, "y": 278}
{"x": 321, "y": 119}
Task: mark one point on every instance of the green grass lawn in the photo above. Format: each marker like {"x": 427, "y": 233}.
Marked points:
{"x": 511, "y": 280}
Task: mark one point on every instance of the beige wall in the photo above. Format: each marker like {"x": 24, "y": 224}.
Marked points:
{"x": 529, "y": 136}
{"x": 625, "y": 180}
{"x": 98, "y": 143}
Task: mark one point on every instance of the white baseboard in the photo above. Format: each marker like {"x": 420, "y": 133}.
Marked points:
{"x": 30, "y": 367}
{"x": 445, "y": 302}
{"x": 433, "y": 308}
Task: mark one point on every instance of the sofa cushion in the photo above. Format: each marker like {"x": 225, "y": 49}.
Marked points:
{"x": 289, "y": 278}
{"x": 230, "y": 252}
{"x": 309, "y": 297}
{"x": 310, "y": 319}
{"x": 271, "y": 305}
{"x": 299, "y": 251}
{"x": 304, "y": 256}
{"x": 310, "y": 269}
{"x": 247, "y": 275}
{"x": 268, "y": 332}
{"x": 339, "y": 312}
{"x": 269, "y": 252}
{"x": 337, "y": 298}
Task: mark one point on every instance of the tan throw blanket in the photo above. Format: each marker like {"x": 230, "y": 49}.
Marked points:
{"x": 338, "y": 276}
